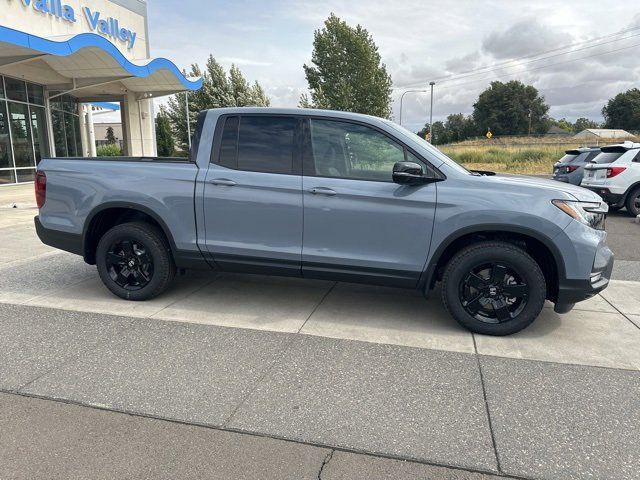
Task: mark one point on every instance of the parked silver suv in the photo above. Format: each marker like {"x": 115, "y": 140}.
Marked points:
{"x": 331, "y": 195}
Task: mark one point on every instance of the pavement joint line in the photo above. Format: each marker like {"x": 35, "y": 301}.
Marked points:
{"x": 184, "y": 297}
{"x": 620, "y": 312}
{"x": 264, "y": 435}
{"x": 257, "y": 383}
{"x": 47, "y": 372}
{"x": 325, "y": 462}
{"x": 486, "y": 405}
{"x": 294, "y": 334}
{"x": 17, "y": 263}
{"x": 326, "y": 294}
{"x": 57, "y": 290}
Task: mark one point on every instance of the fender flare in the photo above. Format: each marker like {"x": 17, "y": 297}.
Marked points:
{"x": 126, "y": 205}
{"x": 430, "y": 270}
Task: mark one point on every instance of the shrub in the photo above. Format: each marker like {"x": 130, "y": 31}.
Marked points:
{"x": 109, "y": 150}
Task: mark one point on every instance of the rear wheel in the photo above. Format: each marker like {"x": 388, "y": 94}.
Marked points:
{"x": 633, "y": 202}
{"x": 493, "y": 288}
{"x": 134, "y": 261}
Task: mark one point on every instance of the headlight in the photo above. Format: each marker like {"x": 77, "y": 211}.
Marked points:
{"x": 592, "y": 214}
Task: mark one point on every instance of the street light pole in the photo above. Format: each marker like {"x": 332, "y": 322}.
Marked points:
{"x": 402, "y": 99}
{"x": 431, "y": 113}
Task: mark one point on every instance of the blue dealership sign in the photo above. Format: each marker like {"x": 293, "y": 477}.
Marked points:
{"x": 109, "y": 27}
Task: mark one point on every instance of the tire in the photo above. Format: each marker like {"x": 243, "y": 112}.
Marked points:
{"x": 480, "y": 278}
{"x": 134, "y": 261}
{"x": 633, "y": 202}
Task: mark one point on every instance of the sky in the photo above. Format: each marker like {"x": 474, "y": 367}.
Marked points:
{"x": 419, "y": 41}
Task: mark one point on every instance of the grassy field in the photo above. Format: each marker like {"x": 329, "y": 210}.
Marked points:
{"x": 521, "y": 155}
{"x": 512, "y": 159}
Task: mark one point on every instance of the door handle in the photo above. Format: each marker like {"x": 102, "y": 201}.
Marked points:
{"x": 323, "y": 191}
{"x": 223, "y": 181}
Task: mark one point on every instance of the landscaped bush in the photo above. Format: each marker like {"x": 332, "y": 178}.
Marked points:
{"x": 109, "y": 150}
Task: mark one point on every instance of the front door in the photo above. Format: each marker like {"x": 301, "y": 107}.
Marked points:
{"x": 358, "y": 224}
{"x": 253, "y": 196}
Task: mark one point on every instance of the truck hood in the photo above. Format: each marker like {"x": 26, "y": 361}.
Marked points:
{"x": 552, "y": 186}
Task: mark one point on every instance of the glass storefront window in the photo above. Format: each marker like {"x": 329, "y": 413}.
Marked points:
{"x": 6, "y": 156}
{"x": 25, "y": 174}
{"x": 7, "y": 176}
{"x": 16, "y": 89}
{"x": 59, "y": 136}
{"x": 36, "y": 94}
{"x": 21, "y": 135}
{"x": 39, "y": 128}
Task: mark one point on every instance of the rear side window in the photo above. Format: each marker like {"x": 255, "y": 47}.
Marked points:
{"x": 229, "y": 144}
{"x": 568, "y": 158}
{"x": 636, "y": 159}
{"x": 265, "y": 144}
{"x": 258, "y": 143}
{"x": 608, "y": 157}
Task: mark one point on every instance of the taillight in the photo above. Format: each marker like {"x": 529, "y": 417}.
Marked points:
{"x": 613, "y": 171}
{"x": 41, "y": 189}
{"x": 571, "y": 168}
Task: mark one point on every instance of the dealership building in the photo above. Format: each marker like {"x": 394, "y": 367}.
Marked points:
{"x": 60, "y": 58}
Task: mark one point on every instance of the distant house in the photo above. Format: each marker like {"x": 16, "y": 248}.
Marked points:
{"x": 602, "y": 133}
{"x": 557, "y": 131}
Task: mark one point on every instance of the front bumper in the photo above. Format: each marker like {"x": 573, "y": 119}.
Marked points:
{"x": 616, "y": 199}
{"x": 571, "y": 292}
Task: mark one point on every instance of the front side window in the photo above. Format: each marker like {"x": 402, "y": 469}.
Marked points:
{"x": 347, "y": 150}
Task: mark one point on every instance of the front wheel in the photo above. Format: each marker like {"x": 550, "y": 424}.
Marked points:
{"x": 134, "y": 261}
{"x": 493, "y": 288}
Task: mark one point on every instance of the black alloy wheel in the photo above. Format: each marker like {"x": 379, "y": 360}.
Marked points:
{"x": 493, "y": 293}
{"x": 129, "y": 264}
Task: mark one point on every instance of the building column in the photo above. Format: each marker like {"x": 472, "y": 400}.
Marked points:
{"x": 49, "y": 121}
{"x": 83, "y": 130}
{"x": 91, "y": 134}
{"x": 137, "y": 126}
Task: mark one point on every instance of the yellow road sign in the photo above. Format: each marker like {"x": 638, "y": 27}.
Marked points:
{"x": 489, "y": 134}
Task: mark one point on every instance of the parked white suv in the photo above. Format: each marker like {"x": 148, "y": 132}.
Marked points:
{"x": 615, "y": 176}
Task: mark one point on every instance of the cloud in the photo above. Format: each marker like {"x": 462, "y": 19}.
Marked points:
{"x": 523, "y": 38}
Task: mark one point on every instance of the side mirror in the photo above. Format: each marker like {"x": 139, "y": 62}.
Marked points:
{"x": 409, "y": 173}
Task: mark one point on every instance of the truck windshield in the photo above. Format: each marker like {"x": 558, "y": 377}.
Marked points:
{"x": 433, "y": 150}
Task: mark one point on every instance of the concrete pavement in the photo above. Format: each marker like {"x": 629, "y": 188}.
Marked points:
{"x": 341, "y": 370}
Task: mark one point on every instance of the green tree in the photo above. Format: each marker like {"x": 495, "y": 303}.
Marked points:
{"x": 439, "y": 134}
{"x": 584, "y": 123}
{"x": 111, "y": 136}
{"x": 459, "y": 127}
{"x": 623, "y": 111}
{"x": 563, "y": 123}
{"x": 507, "y": 109}
{"x": 346, "y": 72}
{"x": 164, "y": 136}
{"x": 218, "y": 90}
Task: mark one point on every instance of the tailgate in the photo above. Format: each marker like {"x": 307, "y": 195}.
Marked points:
{"x": 595, "y": 176}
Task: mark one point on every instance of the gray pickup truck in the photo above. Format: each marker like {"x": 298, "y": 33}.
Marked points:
{"x": 329, "y": 195}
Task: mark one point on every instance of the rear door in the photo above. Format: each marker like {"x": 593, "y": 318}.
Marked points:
{"x": 595, "y": 173}
{"x": 358, "y": 224}
{"x": 253, "y": 195}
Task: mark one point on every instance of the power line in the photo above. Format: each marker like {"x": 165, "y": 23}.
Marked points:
{"x": 543, "y": 66}
{"x": 518, "y": 61}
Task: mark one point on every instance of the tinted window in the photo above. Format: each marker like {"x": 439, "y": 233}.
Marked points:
{"x": 229, "y": 145}
{"x": 608, "y": 157}
{"x": 265, "y": 144}
{"x": 568, "y": 158}
{"x": 36, "y": 94}
{"x": 347, "y": 150}
{"x": 637, "y": 157}
{"x": 592, "y": 155}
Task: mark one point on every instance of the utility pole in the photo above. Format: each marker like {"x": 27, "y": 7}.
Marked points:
{"x": 186, "y": 102}
{"x": 530, "y": 114}
{"x": 431, "y": 114}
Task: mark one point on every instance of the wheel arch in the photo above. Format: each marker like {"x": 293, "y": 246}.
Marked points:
{"x": 536, "y": 244}
{"x": 110, "y": 214}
